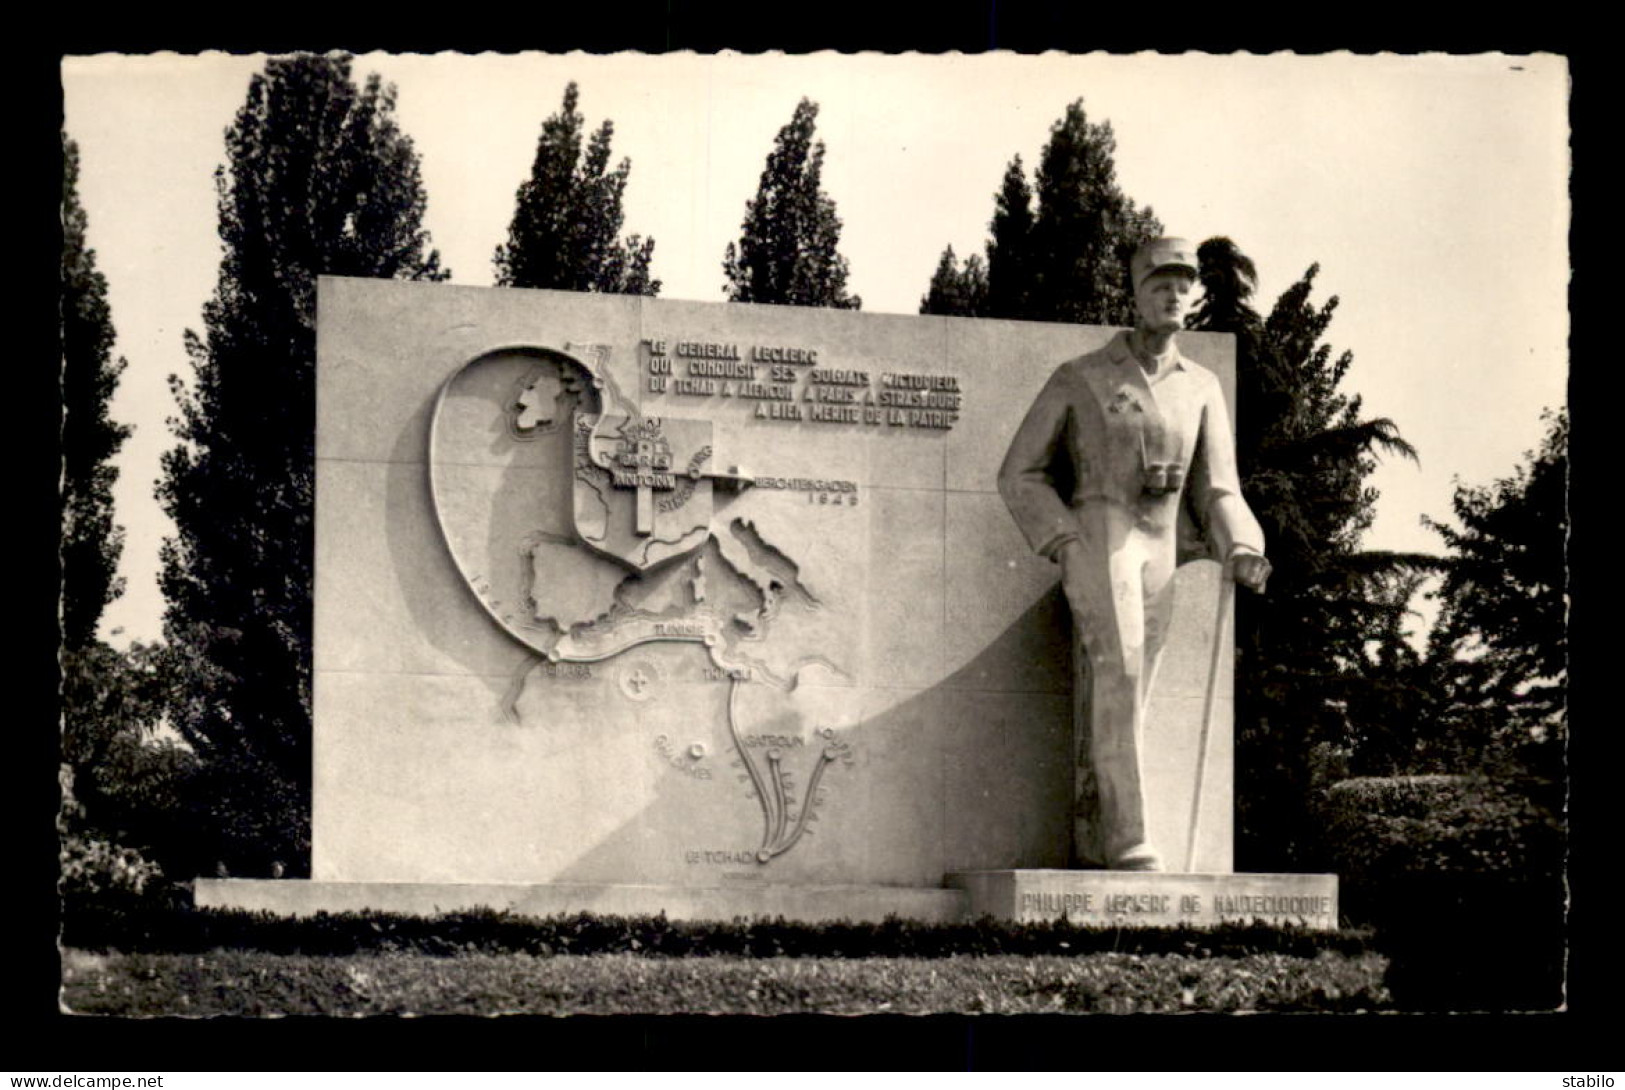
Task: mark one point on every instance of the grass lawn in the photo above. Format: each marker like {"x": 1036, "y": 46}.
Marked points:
{"x": 245, "y": 982}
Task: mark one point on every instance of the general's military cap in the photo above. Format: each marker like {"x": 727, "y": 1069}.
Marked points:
{"x": 1162, "y": 253}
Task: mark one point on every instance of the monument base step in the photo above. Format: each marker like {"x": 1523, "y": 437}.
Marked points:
{"x": 1127, "y": 898}
{"x": 807, "y": 904}
{"x": 1098, "y": 897}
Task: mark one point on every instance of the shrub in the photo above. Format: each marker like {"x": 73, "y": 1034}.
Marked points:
{"x": 93, "y": 867}
{"x": 1462, "y": 878}
{"x": 1383, "y": 829}
{"x": 92, "y": 864}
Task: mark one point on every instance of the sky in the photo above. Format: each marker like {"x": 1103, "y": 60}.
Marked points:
{"x": 1431, "y": 190}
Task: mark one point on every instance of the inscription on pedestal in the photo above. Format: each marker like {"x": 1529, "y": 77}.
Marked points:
{"x": 1115, "y": 898}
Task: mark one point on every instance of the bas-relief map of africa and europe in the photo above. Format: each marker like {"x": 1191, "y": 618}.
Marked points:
{"x": 628, "y": 553}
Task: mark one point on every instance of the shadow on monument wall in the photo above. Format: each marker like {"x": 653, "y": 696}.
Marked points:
{"x": 973, "y": 772}
{"x": 998, "y": 783}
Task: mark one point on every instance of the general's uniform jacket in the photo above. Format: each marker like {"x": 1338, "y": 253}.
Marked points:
{"x": 1094, "y": 428}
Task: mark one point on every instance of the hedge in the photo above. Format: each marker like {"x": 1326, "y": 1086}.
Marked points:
{"x": 257, "y": 984}
{"x": 1462, "y": 878}
{"x": 173, "y": 926}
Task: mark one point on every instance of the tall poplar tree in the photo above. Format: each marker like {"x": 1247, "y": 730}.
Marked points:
{"x": 1067, "y": 259}
{"x": 567, "y": 220}
{"x": 318, "y": 179}
{"x": 103, "y": 691}
{"x": 1010, "y": 247}
{"x": 91, "y": 541}
{"x": 1086, "y": 228}
{"x": 787, "y": 252}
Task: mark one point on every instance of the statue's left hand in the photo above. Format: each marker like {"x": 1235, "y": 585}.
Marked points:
{"x": 1251, "y": 570}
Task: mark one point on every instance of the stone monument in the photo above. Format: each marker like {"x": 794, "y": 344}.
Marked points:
{"x": 633, "y": 605}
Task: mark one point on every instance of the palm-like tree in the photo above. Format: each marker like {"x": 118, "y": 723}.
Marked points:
{"x": 1303, "y": 670}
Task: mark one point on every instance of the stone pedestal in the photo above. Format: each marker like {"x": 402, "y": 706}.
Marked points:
{"x": 1122, "y": 898}
{"x": 1099, "y": 898}
{"x": 807, "y": 903}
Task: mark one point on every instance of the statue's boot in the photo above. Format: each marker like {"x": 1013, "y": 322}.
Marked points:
{"x": 1141, "y": 857}
{"x": 1122, "y": 805}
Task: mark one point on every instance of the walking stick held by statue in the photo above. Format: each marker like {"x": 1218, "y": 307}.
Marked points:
{"x": 1227, "y": 601}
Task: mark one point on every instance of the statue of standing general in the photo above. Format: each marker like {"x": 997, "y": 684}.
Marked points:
{"x": 1123, "y": 469}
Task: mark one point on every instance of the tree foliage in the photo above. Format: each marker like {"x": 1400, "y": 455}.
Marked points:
{"x": 1500, "y": 642}
{"x": 957, "y": 289}
{"x": 91, "y": 541}
{"x": 125, "y": 786}
{"x": 91, "y": 867}
{"x": 318, "y": 179}
{"x": 1229, "y": 278}
{"x": 111, "y": 700}
{"x": 567, "y": 221}
{"x": 787, "y": 252}
{"x": 1009, "y": 250}
{"x": 1067, "y": 260}
{"x": 1321, "y": 658}
{"x": 1086, "y": 229}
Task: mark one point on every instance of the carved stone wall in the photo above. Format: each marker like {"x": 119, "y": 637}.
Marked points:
{"x": 612, "y": 589}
